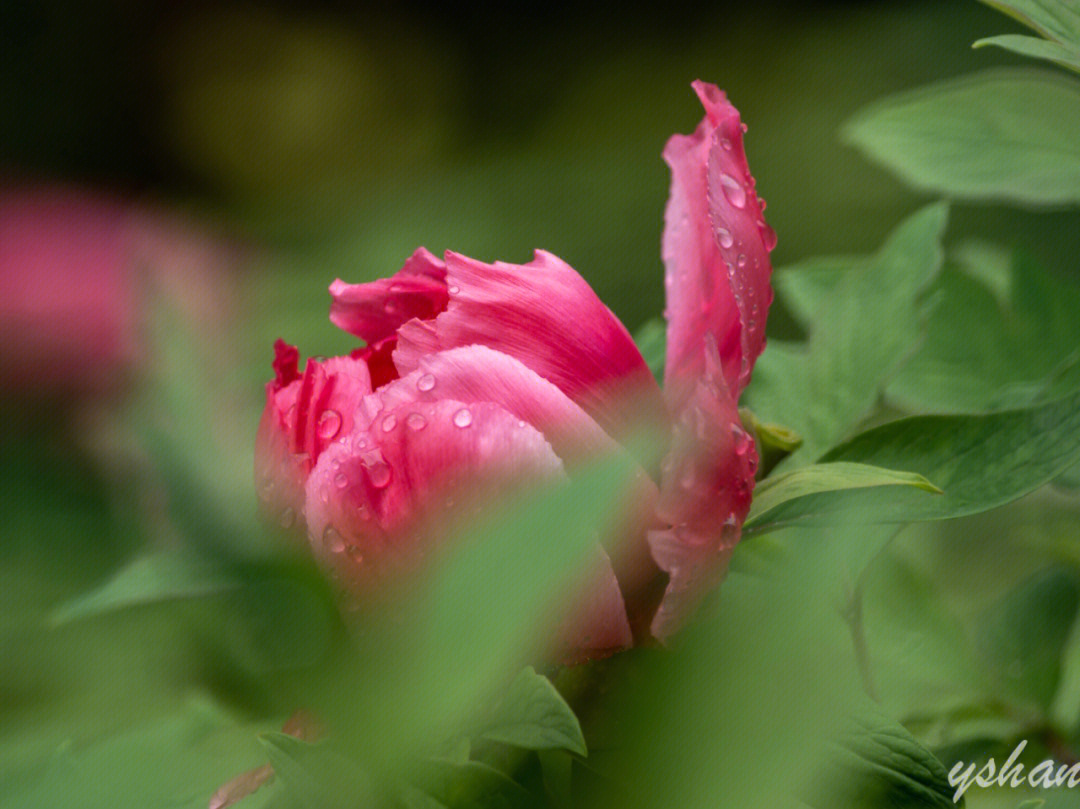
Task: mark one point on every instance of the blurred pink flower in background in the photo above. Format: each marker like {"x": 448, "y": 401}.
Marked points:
{"x": 488, "y": 375}
{"x": 79, "y": 269}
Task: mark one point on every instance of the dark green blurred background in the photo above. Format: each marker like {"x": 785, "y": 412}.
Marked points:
{"x": 367, "y": 130}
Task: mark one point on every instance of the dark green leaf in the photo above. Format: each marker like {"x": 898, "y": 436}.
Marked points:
{"x": 471, "y": 785}
{"x": 534, "y": 716}
{"x": 789, "y": 488}
{"x": 980, "y": 461}
{"x": 878, "y": 763}
{"x": 1001, "y": 135}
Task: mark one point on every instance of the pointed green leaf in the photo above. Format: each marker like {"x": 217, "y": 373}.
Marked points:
{"x": 156, "y": 578}
{"x": 788, "y": 488}
{"x": 534, "y": 716}
{"x": 980, "y": 461}
{"x": 1055, "y": 19}
{"x": 1035, "y": 48}
{"x": 1000, "y": 135}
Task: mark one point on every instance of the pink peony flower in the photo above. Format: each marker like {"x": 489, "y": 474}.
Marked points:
{"x": 76, "y": 268}
{"x": 482, "y": 376}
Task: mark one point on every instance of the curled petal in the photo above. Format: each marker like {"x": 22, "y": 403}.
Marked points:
{"x": 716, "y": 251}
{"x": 304, "y": 413}
{"x": 374, "y": 311}
{"x": 547, "y": 316}
{"x": 705, "y": 491}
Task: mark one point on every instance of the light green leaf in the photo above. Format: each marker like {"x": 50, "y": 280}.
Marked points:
{"x": 982, "y": 352}
{"x": 1035, "y": 48}
{"x": 794, "y": 485}
{"x": 1000, "y": 135}
{"x": 863, "y": 329}
{"x": 315, "y": 776}
{"x": 534, "y": 716}
{"x": 156, "y": 578}
{"x": 1055, "y": 19}
{"x": 981, "y": 462}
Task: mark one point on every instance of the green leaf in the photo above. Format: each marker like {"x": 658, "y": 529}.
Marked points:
{"x": 1055, "y": 19}
{"x": 651, "y": 341}
{"x": 862, "y": 330}
{"x": 534, "y": 716}
{"x": 980, "y": 461}
{"x": 470, "y": 785}
{"x": 791, "y": 487}
{"x": 1035, "y": 48}
{"x": 878, "y": 763}
{"x": 1023, "y": 635}
{"x": 315, "y": 776}
{"x": 1005, "y": 135}
{"x": 988, "y": 348}
{"x": 156, "y": 578}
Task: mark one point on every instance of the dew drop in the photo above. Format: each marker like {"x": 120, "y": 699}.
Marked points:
{"x": 288, "y": 517}
{"x": 389, "y": 307}
{"x": 454, "y": 290}
{"x": 725, "y": 144}
{"x": 724, "y": 237}
{"x": 416, "y": 421}
{"x": 733, "y": 191}
{"x": 332, "y": 540}
{"x": 425, "y": 383}
{"x": 329, "y": 424}
{"x": 380, "y": 474}
{"x": 463, "y": 418}
{"x": 389, "y": 423}
{"x": 741, "y": 260}
{"x": 340, "y": 480}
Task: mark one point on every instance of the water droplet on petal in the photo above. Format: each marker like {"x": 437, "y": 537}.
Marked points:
{"x": 389, "y": 307}
{"x": 340, "y": 480}
{"x": 416, "y": 421}
{"x": 329, "y": 424}
{"x": 454, "y": 290}
{"x": 425, "y": 383}
{"x": 741, "y": 260}
{"x": 723, "y": 235}
{"x": 288, "y": 517}
{"x": 463, "y": 418}
{"x": 380, "y": 474}
{"x": 389, "y": 423}
{"x": 733, "y": 191}
{"x": 725, "y": 144}
{"x": 332, "y": 540}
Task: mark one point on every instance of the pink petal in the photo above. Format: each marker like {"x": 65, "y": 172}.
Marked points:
{"x": 68, "y": 309}
{"x": 476, "y": 373}
{"x": 705, "y": 492}
{"x": 547, "y": 316}
{"x": 716, "y": 250}
{"x": 480, "y": 374}
{"x": 304, "y": 413}
{"x": 370, "y": 496}
{"x": 421, "y": 466}
{"x": 374, "y": 311}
